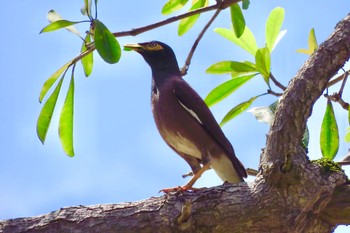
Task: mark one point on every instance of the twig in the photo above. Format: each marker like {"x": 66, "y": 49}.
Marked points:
{"x": 337, "y": 98}
{"x": 81, "y": 55}
{"x": 345, "y": 160}
{"x": 340, "y": 92}
{"x": 277, "y": 83}
{"x": 187, "y": 175}
{"x": 269, "y": 91}
{"x": 252, "y": 172}
{"x": 336, "y": 80}
{"x": 345, "y": 163}
{"x": 219, "y": 5}
{"x": 184, "y": 69}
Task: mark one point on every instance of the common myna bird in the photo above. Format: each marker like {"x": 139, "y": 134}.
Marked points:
{"x": 184, "y": 121}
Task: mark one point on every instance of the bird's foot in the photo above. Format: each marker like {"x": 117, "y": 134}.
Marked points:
{"x": 184, "y": 188}
{"x": 187, "y": 174}
{"x": 188, "y": 186}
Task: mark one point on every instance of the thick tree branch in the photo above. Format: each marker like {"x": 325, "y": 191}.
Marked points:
{"x": 244, "y": 207}
{"x": 180, "y": 212}
{"x": 306, "y": 87}
{"x": 338, "y": 209}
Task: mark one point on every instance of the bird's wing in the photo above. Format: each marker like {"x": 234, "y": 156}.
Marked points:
{"x": 195, "y": 105}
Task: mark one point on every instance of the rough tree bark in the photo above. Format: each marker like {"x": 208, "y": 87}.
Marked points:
{"x": 290, "y": 194}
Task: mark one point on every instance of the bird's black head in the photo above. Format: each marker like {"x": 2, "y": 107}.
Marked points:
{"x": 158, "y": 55}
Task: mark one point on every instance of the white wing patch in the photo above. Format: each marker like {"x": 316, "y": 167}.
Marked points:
{"x": 191, "y": 112}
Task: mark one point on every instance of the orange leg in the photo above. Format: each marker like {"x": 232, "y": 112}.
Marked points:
{"x": 189, "y": 185}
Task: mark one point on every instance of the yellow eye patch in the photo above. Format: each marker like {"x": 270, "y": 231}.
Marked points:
{"x": 153, "y": 46}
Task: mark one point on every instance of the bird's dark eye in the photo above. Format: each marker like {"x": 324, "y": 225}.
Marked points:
{"x": 153, "y": 44}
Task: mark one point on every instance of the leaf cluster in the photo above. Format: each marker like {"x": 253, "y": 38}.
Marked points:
{"x": 98, "y": 37}
{"x": 243, "y": 71}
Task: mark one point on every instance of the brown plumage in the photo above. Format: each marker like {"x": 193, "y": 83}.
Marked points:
{"x": 183, "y": 119}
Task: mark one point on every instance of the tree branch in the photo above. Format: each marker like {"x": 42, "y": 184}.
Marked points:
{"x": 337, "y": 79}
{"x": 271, "y": 92}
{"x": 336, "y": 97}
{"x": 340, "y": 92}
{"x": 277, "y": 83}
{"x": 179, "y": 212}
{"x": 219, "y": 5}
{"x": 245, "y": 207}
{"x": 195, "y": 44}
{"x": 338, "y": 209}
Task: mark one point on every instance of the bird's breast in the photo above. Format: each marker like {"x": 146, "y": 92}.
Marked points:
{"x": 179, "y": 129}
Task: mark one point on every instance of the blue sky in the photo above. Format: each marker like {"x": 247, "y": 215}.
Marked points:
{"x": 119, "y": 153}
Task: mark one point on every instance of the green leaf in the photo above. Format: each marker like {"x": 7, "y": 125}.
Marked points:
{"x": 265, "y": 114}
{"x": 187, "y": 23}
{"x": 312, "y": 43}
{"x": 306, "y": 138}
{"x": 347, "y": 135}
{"x": 273, "y": 27}
{"x": 329, "y": 138}
{"x": 88, "y": 60}
{"x": 238, "y": 110}
{"x": 245, "y": 4}
{"x": 86, "y": 9}
{"x": 46, "y": 113}
{"x": 304, "y": 51}
{"x": 279, "y": 37}
{"x": 58, "y": 25}
{"x": 65, "y": 127}
{"x": 52, "y": 79}
{"x": 173, "y": 5}
{"x": 246, "y": 41}
{"x": 53, "y": 16}
{"x": 106, "y": 44}
{"x": 233, "y": 67}
{"x": 263, "y": 63}
{"x": 274, "y": 106}
{"x": 237, "y": 19}
{"x": 225, "y": 89}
